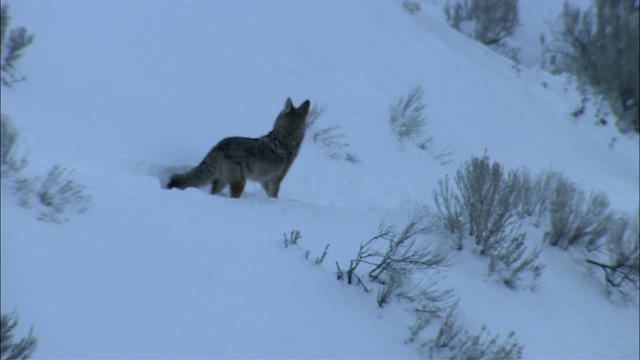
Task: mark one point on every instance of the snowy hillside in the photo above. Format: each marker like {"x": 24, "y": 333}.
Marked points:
{"x": 128, "y": 93}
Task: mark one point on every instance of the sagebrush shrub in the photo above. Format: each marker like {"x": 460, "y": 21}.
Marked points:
{"x": 411, "y": 6}
{"x": 512, "y": 262}
{"x": 292, "y": 238}
{"x": 407, "y": 118}
{"x": 533, "y": 200}
{"x": 392, "y": 257}
{"x": 10, "y": 349}
{"x": 494, "y": 20}
{"x": 525, "y": 198}
{"x": 543, "y": 187}
{"x": 391, "y": 285}
{"x": 449, "y": 330}
{"x": 11, "y": 164}
{"x": 486, "y": 198}
{"x": 450, "y": 212}
{"x": 599, "y": 47}
{"x": 575, "y": 218}
{"x": 454, "y": 342}
{"x": 60, "y": 192}
{"x": 430, "y": 303}
{"x": 622, "y": 268}
{"x": 332, "y": 138}
{"x": 315, "y": 113}
{"x": 13, "y": 42}
{"x": 487, "y": 203}
{"x": 320, "y": 259}
{"x": 400, "y": 252}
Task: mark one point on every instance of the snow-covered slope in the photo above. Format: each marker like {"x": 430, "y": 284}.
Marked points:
{"x": 129, "y": 92}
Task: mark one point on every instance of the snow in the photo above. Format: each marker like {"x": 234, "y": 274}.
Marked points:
{"x": 129, "y": 92}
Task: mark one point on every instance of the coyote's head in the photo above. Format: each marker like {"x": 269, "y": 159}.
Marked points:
{"x": 291, "y": 120}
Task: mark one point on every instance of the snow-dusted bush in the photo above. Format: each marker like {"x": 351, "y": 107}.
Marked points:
{"x": 11, "y": 163}
{"x": 392, "y": 258}
{"x": 391, "y": 285}
{"x": 486, "y": 199}
{"x": 12, "y": 46}
{"x": 509, "y": 259}
{"x": 320, "y": 259}
{"x": 444, "y": 155}
{"x": 330, "y": 137}
{"x": 622, "y": 270}
{"x": 536, "y": 192}
{"x": 292, "y": 238}
{"x": 315, "y": 113}
{"x": 599, "y": 46}
{"x": 10, "y": 349}
{"x": 409, "y": 123}
{"x": 430, "y": 303}
{"x": 525, "y": 199}
{"x": 399, "y": 252}
{"x": 450, "y": 212}
{"x": 411, "y": 6}
{"x": 449, "y": 330}
{"x": 575, "y": 218}
{"x": 456, "y": 15}
{"x": 407, "y": 118}
{"x": 454, "y": 342}
{"x": 493, "y": 20}
{"x": 60, "y": 193}
{"x": 486, "y": 204}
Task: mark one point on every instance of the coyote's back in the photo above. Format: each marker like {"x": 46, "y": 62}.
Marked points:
{"x": 266, "y": 159}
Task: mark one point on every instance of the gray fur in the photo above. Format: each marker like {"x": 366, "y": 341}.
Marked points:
{"x": 266, "y": 159}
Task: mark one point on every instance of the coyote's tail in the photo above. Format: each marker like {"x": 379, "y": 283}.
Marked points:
{"x": 198, "y": 176}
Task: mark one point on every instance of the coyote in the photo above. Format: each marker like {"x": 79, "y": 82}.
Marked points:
{"x": 236, "y": 159}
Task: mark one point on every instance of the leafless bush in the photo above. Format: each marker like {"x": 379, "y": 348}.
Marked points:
{"x": 507, "y": 259}
{"x": 11, "y": 163}
{"x": 403, "y": 253}
{"x": 494, "y": 20}
{"x": 315, "y": 113}
{"x": 622, "y": 271}
{"x": 60, "y": 192}
{"x": 411, "y": 6}
{"x": 292, "y": 238}
{"x": 320, "y": 259}
{"x": 576, "y": 219}
{"x": 449, "y": 330}
{"x": 486, "y": 205}
{"x": 486, "y": 199}
{"x": 432, "y": 302}
{"x": 11, "y": 349}
{"x": 13, "y": 43}
{"x": 445, "y": 155}
{"x": 450, "y": 212}
{"x": 331, "y": 138}
{"x": 407, "y": 118}
{"x": 454, "y": 342}
{"x": 536, "y": 193}
{"x": 599, "y": 47}
{"x": 393, "y": 254}
{"x": 391, "y": 285}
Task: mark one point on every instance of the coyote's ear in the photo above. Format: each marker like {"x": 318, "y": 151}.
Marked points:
{"x": 305, "y": 107}
{"x": 287, "y": 105}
